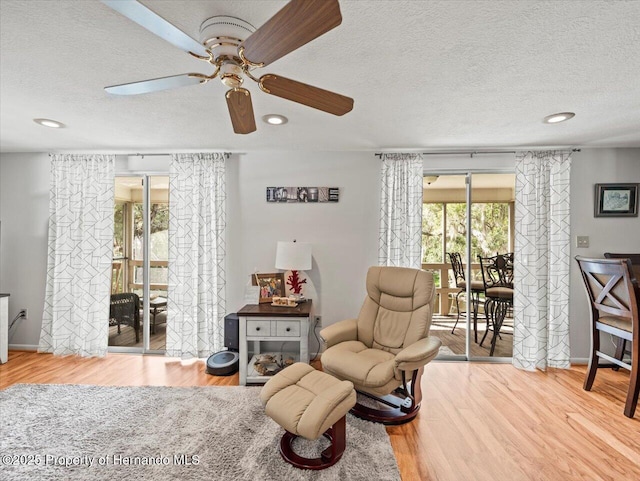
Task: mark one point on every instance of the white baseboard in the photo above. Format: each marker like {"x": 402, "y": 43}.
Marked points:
{"x": 33, "y": 347}
{"x": 579, "y": 360}
{"x": 23, "y": 347}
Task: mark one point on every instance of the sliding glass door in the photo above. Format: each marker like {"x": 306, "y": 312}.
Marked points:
{"x": 466, "y": 216}
{"x": 138, "y": 312}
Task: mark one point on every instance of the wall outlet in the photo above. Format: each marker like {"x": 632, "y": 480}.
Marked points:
{"x": 582, "y": 241}
{"x": 317, "y": 321}
{"x": 24, "y": 313}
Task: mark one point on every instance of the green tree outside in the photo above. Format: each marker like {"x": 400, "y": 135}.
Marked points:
{"x": 489, "y": 230}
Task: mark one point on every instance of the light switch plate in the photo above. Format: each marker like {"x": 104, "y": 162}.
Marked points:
{"x": 582, "y": 241}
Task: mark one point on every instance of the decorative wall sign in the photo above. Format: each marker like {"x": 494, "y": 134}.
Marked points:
{"x": 616, "y": 200}
{"x": 303, "y": 194}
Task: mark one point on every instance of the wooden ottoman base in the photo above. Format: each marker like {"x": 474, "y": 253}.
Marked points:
{"x": 306, "y": 402}
{"x": 330, "y": 456}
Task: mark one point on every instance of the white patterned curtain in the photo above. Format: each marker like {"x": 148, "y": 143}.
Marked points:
{"x": 196, "y": 296}
{"x": 542, "y": 261}
{"x": 401, "y": 211}
{"x": 76, "y": 309}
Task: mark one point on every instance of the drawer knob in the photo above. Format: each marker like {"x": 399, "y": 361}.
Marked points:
{"x": 257, "y": 328}
{"x": 288, "y": 329}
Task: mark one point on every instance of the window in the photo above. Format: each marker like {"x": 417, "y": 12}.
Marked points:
{"x": 489, "y": 230}
{"x": 490, "y": 233}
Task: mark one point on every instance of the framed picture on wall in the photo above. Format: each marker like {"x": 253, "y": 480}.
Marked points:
{"x": 271, "y": 285}
{"x": 616, "y": 200}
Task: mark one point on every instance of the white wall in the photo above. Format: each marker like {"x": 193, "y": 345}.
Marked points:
{"x": 344, "y": 235}
{"x": 24, "y": 213}
{"x": 589, "y": 167}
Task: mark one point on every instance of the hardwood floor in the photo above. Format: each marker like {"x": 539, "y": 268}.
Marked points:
{"x": 477, "y": 422}
{"x": 127, "y": 337}
{"x": 441, "y": 327}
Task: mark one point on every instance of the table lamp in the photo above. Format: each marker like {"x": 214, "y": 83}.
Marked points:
{"x": 294, "y": 256}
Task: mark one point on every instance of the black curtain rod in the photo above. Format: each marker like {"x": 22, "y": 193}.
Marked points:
{"x": 468, "y": 152}
{"x": 227, "y": 154}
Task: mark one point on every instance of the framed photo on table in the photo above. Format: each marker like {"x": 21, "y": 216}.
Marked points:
{"x": 271, "y": 285}
{"x": 616, "y": 200}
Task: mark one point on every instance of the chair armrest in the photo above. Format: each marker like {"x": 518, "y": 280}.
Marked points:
{"x": 418, "y": 354}
{"x": 346, "y": 330}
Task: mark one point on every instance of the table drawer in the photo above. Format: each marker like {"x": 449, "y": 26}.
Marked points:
{"x": 259, "y": 328}
{"x": 288, "y": 328}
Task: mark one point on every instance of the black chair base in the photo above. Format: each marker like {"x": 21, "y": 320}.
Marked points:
{"x": 404, "y": 402}
{"x": 337, "y": 434}
{"x": 388, "y": 417}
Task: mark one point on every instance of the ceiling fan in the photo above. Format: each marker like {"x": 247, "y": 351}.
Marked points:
{"x": 224, "y": 46}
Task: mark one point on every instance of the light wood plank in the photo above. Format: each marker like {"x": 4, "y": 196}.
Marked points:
{"x": 477, "y": 421}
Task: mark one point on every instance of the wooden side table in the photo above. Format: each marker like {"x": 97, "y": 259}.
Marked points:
{"x": 264, "y": 322}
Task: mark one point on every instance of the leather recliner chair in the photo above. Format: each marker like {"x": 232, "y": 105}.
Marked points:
{"x": 383, "y": 352}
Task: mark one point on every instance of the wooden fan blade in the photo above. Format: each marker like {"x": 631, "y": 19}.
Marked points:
{"x": 153, "y": 22}
{"x": 241, "y": 111}
{"x": 296, "y": 24}
{"x": 156, "y": 84}
{"x": 304, "y": 94}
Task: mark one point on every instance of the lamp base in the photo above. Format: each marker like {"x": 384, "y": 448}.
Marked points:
{"x": 298, "y": 297}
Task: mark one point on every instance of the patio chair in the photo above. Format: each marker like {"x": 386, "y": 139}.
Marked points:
{"x": 497, "y": 276}
{"x": 125, "y": 309}
{"x": 477, "y": 288}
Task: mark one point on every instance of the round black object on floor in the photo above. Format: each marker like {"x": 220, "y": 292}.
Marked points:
{"x": 223, "y": 363}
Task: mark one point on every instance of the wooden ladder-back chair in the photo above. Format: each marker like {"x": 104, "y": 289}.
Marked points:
{"x": 613, "y": 299}
{"x": 635, "y": 263}
{"x": 635, "y": 279}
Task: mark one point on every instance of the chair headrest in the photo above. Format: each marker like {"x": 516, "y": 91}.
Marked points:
{"x": 386, "y": 283}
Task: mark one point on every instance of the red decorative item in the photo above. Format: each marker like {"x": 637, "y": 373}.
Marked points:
{"x": 295, "y": 283}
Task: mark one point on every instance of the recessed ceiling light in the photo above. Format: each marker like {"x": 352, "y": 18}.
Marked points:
{"x": 54, "y": 124}
{"x": 274, "y": 119}
{"x": 559, "y": 117}
{"x": 430, "y": 179}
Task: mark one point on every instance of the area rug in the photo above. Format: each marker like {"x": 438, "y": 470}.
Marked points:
{"x": 74, "y": 432}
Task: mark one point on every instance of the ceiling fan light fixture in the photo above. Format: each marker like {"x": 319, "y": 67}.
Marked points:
{"x": 231, "y": 74}
{"x": 53, "y": 124}
{"x": 234, "y": 48}
{"x": 559, "y": 117}
{"x": 275, "y": 119}
{"x": 223, "y": 34}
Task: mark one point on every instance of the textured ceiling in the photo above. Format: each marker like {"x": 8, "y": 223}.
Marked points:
{"x": 424, "y": 75}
